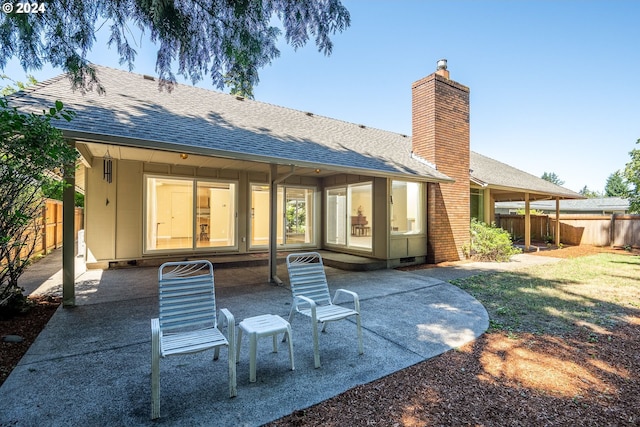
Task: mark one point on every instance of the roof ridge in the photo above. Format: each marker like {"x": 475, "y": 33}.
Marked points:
{"x": 30, "y": 89}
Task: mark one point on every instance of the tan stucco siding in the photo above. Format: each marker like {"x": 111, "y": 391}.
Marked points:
{"x": 129, "y": 213}
{"x": 100, "y": 212}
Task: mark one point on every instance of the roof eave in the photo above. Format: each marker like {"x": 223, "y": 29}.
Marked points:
{"x": 196, "y": 150}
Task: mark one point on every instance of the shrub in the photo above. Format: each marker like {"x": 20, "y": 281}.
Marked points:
{"x": 489, "y": 243}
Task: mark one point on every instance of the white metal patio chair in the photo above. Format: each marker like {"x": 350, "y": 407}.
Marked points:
{"x": 311, "y": 297}
{"x": 188, "y": 322}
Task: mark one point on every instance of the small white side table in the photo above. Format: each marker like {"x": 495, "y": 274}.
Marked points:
{"x": 263, "y": 326}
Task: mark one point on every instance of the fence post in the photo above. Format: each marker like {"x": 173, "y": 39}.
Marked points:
{"x": 612, "y": 233}
{"x": 44, "y": 229}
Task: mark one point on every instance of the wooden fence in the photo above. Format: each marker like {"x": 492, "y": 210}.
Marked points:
{"x": 598, "y": 230}
{"x": 50, "y": 237}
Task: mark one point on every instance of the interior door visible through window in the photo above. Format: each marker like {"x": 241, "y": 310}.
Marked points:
{"x": 169, "y": 213}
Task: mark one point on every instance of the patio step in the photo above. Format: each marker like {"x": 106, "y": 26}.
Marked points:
{"x": 333, "y": 259}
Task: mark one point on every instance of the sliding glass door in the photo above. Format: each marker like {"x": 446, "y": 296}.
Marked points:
{"x": 350, "y": 216}
{"x": 295, "y": 209}
{"x": 170, "y": 223}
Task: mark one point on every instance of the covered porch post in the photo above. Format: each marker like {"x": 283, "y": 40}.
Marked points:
{"x": 527, "y": 223}
{"x": 557, "y": 230}
{"x": 274, "y": 180}
{"x": 68, "y": 235}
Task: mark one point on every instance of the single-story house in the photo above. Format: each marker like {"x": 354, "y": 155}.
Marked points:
{"x": 195, "y": 173}
{"x": 593, "y": 206}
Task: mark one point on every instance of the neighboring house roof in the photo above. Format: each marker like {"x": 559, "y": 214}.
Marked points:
{"x": 134, "y": 112}
{"x": 489, "y": 172}
{"x": 600, "y": 205}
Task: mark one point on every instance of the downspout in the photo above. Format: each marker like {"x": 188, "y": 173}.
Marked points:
{"x": 273, "y": 221}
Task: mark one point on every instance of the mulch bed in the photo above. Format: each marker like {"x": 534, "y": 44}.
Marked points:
{"x": 27, "y": 326}
{"x": 499, "y": 380}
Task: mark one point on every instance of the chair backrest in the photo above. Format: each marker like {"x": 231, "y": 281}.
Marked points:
{"x": 307, "y": 277}
{"x": 187, "y": 297}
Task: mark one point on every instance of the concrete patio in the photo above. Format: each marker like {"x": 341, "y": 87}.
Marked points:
{"x": 91, "y": 364}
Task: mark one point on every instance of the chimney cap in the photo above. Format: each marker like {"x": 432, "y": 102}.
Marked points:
{"x": 442, "y": 64}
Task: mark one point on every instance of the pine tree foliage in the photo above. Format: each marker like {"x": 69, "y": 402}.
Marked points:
{"x": 552, "y": 178}
{"x": 632, "y": 173}
{"x": 616, "y": 185}
{"x": 229, "y": 41}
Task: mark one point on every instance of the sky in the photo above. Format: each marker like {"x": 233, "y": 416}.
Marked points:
{"x": 554, "y": 85}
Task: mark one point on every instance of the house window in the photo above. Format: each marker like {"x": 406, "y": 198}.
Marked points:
{"x": 259, "y": 215}
{"x": 189, "y": 214}
{"x": 350, "y": 216}
{"x": 295, "y": 210}
{"x": 477, "y": 204}
{"x": 407, "y": 209}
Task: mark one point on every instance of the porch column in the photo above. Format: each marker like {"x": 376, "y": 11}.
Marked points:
{"x": 557, "y": 231}
{"x": 488, "y": 207}
{"x": 68, "y": 235}
{"x": 527, "y": 223}
{"x": 273, "y": 222}
{"x": 274, "y": 180}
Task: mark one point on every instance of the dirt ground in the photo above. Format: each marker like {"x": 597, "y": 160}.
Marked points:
{"x": 497, "y": 380}
{"x": 584, "y": 250}
{"x": 26, "y": 326}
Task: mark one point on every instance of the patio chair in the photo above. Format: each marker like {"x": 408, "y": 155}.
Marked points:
{"x": 311, "y": 297}
{"x": 188, "y": 322}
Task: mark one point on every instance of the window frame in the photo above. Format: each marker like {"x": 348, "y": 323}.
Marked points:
{"x": 421, "y": 206}
{"x": 348, "y": 207}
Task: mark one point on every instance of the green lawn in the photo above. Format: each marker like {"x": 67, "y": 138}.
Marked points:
{"x": 593, "y": 291}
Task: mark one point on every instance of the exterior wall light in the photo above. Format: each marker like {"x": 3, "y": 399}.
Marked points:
{"x": 184, "y": 156}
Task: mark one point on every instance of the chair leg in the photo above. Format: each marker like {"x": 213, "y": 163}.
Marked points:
{"x": 155, "y": 381}
{"x": 290, "y": 347}
{"x": 252, "y": 357}
{"x": 233, "y": 385}
{"x": 291, "y": 313}
{"x": 360, "y": 346}
{"x": 316, "y": 350}
{"x": 275, "y": 343}
{"x": 238, "y": 344}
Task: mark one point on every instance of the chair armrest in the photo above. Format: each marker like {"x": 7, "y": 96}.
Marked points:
{"x": 303, "y": 299}
{"x": 356, "y": 298}
{"x": 306, "y": 300}
{"x": 229, "y": 321}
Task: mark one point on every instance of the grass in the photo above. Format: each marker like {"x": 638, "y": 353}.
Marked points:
{"x": 593, "y": 291}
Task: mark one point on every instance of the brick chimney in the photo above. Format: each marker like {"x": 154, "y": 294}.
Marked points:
{"x": 441, "y": 136}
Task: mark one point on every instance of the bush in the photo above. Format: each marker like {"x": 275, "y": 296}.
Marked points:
{"x": 489, "y": 243}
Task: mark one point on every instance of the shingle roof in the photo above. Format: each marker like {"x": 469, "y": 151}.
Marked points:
{"x": 486, "y": 170}
{"x": 134, "y": 109}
